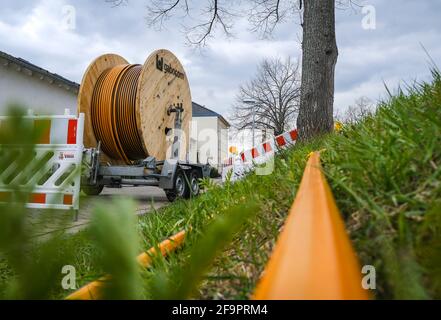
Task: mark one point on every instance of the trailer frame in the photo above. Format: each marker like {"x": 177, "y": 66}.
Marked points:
{"x": 179, "y": 179}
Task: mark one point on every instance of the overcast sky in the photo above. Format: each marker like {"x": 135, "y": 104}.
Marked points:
{"x": 391, "y": 53}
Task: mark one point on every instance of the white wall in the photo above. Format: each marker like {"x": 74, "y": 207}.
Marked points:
{"x": 207, "y": 139}
{"x": 223, "y": 142}
{"x": 33, "y": 93}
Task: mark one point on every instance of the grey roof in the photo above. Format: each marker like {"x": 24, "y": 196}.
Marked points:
{"x": 32, "y": 67}
{"x": 201, "y": 111}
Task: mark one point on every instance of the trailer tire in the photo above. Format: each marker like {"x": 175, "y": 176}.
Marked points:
{"x": 181, "y": 187}
{"x": 92, "y": 190}
{"x": 194, "y": 183}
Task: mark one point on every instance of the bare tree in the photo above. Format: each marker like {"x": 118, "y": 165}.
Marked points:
{"x": 274, "y": 94}
{"x": 363, "y": 107}
{"x": 319, "y": 46}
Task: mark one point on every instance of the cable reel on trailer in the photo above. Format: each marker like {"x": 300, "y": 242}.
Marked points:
{"x": 137, "y": 119}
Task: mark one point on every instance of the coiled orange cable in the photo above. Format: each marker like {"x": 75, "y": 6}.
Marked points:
{"x": 113, "y": 113}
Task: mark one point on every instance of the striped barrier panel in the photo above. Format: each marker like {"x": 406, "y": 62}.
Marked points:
{"x": 270, "y": 146}
{"x": 53, "y": 174}
{"x": 93, "y": 290}
{"x": 313, "y": 257}
{"x": 244, "y": 162}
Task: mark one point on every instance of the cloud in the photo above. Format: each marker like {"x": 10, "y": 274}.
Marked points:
{"x": 391, "y": 54}
{"x": 41, "y": 38}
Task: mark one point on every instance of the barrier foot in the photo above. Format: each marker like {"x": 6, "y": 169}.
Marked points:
{"x": 75, "y": 215}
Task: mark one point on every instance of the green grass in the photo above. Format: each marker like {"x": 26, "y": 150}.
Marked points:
{"x": 385, "y": 173}
{"x": 386, "y": 176}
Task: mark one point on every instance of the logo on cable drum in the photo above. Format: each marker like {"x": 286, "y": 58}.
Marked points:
{"x": 167, "y": 68}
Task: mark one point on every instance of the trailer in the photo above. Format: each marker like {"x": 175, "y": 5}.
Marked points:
{"x": 137, "y": 123}
{"x": 179, "y": 179}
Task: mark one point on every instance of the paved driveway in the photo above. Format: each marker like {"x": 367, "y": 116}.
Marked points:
{"x": 146, "y": 198}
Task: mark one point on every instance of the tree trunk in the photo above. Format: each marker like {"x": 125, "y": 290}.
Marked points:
{"x": 318, "y": 65}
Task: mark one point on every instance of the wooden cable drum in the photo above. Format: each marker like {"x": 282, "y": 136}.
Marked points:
{"x": 113, "y": 112}
{"x": 125, "y": 106}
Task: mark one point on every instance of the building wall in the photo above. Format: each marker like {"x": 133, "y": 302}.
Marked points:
{"x": 33, "y": 93}
{"x": 222, "y": 142}
{"x": 207, "y": 140}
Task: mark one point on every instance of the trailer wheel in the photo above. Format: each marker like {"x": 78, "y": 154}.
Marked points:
{"x": 171, "y": 195}
{"x": 194, "y": 183}
{"x": 92, "y": 190}
{"x": 181, "y": 188}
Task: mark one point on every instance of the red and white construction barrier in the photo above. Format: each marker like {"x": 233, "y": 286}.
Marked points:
{"x": 259, "y": 154}
{"x": 56, "y": 184}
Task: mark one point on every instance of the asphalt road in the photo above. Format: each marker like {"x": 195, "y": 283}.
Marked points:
{"x": 146, "y": 199}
